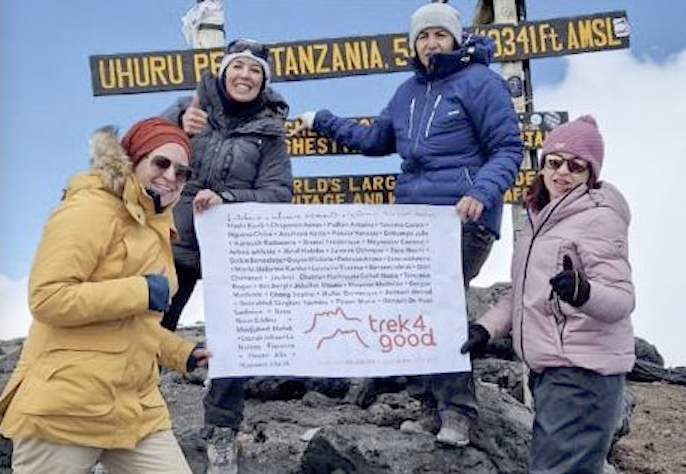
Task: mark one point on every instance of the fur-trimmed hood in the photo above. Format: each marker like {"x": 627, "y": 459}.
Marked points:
{"x": 109, "y": 160}
{"x": 112, "y": 172}
{"x": 110, "y": 165}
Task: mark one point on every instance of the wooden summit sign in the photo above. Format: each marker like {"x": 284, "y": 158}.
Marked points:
{"x": 533, "y": 126}
{"x": 376, "y": 189}
{"x": 341, "y": 57}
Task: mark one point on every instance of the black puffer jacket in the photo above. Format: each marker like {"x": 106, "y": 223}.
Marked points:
{"x": 241, "y": 157}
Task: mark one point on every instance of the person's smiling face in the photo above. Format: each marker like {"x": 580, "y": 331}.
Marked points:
{"x": 563, "y": 172}
{"x": 243, "y": 79}
{"x": 164, "y": 170}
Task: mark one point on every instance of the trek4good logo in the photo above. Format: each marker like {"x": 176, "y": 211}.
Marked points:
{"x": 389, "y": 335}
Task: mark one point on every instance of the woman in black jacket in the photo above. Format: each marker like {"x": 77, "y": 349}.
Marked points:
{"x": 237, "y": 125}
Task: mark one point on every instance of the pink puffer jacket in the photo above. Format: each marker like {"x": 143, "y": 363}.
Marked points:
{"x": 591, "y": 226}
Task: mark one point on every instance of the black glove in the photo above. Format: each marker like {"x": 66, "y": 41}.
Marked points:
{"x": 477, "y": 341}
{"x": 571, "y": 285}
{"x": 158, "y": 292}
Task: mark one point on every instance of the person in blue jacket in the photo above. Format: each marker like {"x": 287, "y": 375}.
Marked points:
{"x": 456, "y": 130}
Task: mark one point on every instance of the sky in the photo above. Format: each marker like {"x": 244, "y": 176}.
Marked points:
{"x": 49, "y": 112}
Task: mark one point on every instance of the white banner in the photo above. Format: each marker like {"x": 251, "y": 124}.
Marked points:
{"x": 332, "y": 290}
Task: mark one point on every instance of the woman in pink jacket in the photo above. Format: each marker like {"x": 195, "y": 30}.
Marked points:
{"x": 570, "y": 303}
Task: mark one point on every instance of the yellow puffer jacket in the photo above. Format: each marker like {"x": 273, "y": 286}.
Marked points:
{"x": 88, "y": 374}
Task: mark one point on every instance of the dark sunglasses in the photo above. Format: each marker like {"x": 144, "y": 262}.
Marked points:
{"x": 574, "y": 165}
{"x": 258, "y": 49}
{"x": 181, "y": 172}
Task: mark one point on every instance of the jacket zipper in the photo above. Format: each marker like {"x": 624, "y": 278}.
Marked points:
{"x": 526, "y": 268}
{"x": 412, "y": 105}
{"x": 215, "y": 161}
{"x": 561, "y": 331}
{"x": 427, "y": 94}
{"x": 469, "y": 178}
{"x": 433, "y": 113}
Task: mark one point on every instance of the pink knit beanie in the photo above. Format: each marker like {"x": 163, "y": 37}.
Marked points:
{"x": 581, "y": 138}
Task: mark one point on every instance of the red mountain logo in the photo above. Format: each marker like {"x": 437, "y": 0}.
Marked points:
{"x": 336, "y": 325}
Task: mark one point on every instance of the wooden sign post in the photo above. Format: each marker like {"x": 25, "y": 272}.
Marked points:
{"x": 518, "y": 77}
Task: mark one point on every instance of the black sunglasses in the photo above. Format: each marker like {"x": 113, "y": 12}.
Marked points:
{"x": 181, "y": 172}
{"x": 574, "y": 165}
{"x": 258, "y": 49}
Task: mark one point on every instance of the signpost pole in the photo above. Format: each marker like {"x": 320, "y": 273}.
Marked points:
{"x": 518, "y": 76}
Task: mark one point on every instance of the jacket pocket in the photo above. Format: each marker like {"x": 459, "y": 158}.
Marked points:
{"x": 153, "y": 399}
{"x": 242, "y": 167}
{"x": 567, "y": 248}
{"x": 558, "y": 321}
{"x": 73, "y": 383}
{"x": 143, "y": 250}
{"x": 449, "y": 117}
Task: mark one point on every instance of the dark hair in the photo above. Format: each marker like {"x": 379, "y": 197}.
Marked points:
{"x": 538, "y": 196}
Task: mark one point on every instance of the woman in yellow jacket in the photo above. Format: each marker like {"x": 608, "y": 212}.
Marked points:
{"x": 86, "y": 387}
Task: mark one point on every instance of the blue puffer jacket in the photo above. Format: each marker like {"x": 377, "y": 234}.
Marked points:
{"x": 454, "y": 127}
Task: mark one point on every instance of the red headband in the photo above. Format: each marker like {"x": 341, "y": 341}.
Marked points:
{"x": 149, "y": 134}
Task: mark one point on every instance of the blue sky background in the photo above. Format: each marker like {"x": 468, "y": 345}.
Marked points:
{"x": 48, "y": 113}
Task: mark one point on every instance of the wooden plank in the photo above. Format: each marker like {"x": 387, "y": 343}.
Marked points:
{"x": 374, "y": 189}
{"x": 534, "y": 127}
{"x": 134, "y": 73}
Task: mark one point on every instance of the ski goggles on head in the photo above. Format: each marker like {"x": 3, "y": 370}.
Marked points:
{"x": 256, "y": 48}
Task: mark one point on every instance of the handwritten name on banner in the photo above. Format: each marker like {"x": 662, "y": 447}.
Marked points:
{"x": 332, "y": 291}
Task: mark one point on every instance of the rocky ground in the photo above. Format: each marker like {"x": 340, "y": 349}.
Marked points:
{"x": 657, "y": 439}
{"x": 307, "y": 431}
{"x": 653, "y": 446}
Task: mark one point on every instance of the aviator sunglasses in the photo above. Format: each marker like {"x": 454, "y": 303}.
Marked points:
{"x": 574, "y": 165}
{"x": 181, "y": 172}
{"x": 257, "y": 49}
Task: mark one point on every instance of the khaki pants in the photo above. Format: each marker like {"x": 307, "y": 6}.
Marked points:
{"x": 158, "y": 453}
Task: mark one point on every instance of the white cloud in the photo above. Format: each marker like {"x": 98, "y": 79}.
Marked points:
{"x": 15, "y": 316}
{"x": 641, "y": 111}
{"x": 14, "y": 312}
{"x": 194, "y": 312}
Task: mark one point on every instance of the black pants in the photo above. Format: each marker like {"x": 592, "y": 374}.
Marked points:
{"x": 224, "y": 402}
{"x": 576, "y": 415}
{"x": 455, "y": 391}
{"x": 188, "y": 277}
